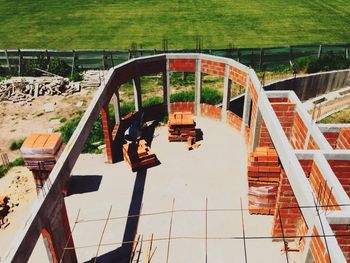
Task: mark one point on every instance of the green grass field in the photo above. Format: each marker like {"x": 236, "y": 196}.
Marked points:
{"x": 116, "y": 24}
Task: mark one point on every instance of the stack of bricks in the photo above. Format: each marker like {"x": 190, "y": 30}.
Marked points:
{"x": 181, "y": 126}
{"x": 40, "y": 153}
{"x": 138, "y": 155}
{"x": 263, "y": 180}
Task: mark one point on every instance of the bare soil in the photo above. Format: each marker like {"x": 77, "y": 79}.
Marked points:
{"x": 18, "y": 121}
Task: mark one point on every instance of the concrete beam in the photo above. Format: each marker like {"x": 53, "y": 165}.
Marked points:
{"x": 116, "y": 106}
{"x": 166, "y": 87}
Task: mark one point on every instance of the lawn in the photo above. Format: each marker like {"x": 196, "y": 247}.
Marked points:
{"x": 342, "y": 116}
{"x": 110, "y": 24}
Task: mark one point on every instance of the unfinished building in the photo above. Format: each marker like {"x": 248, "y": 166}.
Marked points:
{"x": 201, "y": 212}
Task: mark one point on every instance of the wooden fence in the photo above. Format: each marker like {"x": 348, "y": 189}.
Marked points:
{"x": 259, "y": 58}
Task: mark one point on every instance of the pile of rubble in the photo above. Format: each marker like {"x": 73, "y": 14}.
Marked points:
{"x": 25, "y": 89}
{"x": 93, "y": 78}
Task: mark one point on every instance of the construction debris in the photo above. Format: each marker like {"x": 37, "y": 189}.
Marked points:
{"x": 263, "y": 180}
{"x": 25, "y": 89}
{"x": 93, "y": 78}
{"x": 138, "y": 155}
{"x": 181, "y": 126}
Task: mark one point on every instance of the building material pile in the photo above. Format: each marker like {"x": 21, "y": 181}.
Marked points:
{"x": 263, "y": 180}
{"x": 25, "y": 89}
{"x": 181, "y": 126}
{"x": 138, "y": 155}
{"x": 93, "y": 78}
{"x": 40, "y": 153}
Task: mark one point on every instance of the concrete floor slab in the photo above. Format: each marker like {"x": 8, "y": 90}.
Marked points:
{"x": 216, "y": 172}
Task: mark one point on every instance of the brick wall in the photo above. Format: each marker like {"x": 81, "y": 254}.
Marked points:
{"x": 341, "y": 169}
{"x": 234, "y": 120}
{"x": 312, "y": 145}
{"x": 287, "y": 206}
{"x": 187, "y": 65}
{"x": 107, "y": 132}
{"x": 332, "y": 138}
{"x": 238, "y": 76}
{"x": 298, "y": 134}
{"x": 321, "y": 189}
{"x": 301, "y": 232}
{"x": 212, "y": 67}
{"x": 210, "y": 111}
{"x": 343, "y": 141}
{"x": 285, "y": 111}
{"x": 254, "y": 96}
{"x": 318, "y": 248}
{"x": 182, "y": 106}
{"x": 342, "y": 234}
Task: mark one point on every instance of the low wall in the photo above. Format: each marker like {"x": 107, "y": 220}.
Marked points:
{"x": 313, "y": 85}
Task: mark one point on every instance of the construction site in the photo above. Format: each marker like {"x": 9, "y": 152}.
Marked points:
{"x": 256, "y": 181}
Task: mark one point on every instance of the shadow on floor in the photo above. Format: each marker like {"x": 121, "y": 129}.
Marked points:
{"x": 123, "y": 254}
{"x": 80, "y": 184}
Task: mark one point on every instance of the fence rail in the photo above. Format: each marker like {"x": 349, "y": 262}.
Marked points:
{"x": 261, "y": 58}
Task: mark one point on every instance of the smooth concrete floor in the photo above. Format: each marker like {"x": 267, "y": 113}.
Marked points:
{"x": 215, "y": 172}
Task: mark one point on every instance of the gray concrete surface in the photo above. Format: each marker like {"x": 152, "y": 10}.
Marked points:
{"x": 216, "y": 171}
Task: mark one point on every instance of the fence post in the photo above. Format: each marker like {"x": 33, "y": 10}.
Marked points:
{"x": 73, "y": 64}
{"x": 111, "y": 56}
{"x": 103, "y": 60}
{"x": 48, "y": 59}
{"x": 290, "y": 53}
{"x": 261, "y": 62}
{"x": 320, "y": 51}
{"x": 347, "y": 52}
{"x": 238, "y": 54}
{"x": 7, "y": 60}
{"x": 19, "y": 62}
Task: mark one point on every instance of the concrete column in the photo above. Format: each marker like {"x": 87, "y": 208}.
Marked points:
{"x": 227, "y": 94}
{"x": 107, "y": 132}
{"x": 57, "y": 235}
{"x": 116, "y": 106}
{"x": 166, "y": 88}
{"x": 246, "y": 106}
{"x": 137, "y": 90}
{"x": 257, "y": 128}
{"x": 198, "y": 88}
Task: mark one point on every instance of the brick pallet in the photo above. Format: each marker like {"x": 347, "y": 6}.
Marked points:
{"x": 40, "y": 153}
{"x": 263, "y": 180}
{"x": 181, "y": 126}
{"x": 138, "y": 155}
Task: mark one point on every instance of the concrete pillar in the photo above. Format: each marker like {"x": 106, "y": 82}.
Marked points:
{"x": 57, "y": 236}
{"x": 227, "y": 94}
{"x": 257, "y": 129}
{"x": 116, "y": 106}
{"x": 198, "y": 88}
{"x": 137, "y": 90}
{"x": 246, "y": 106}
{"x": 107, "y": 132}
{"x": 166, "y": 88}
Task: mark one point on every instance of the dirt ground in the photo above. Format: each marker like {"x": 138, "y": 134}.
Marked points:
{"x": 19, "y": 185}
{"x": 17, "y": 121}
